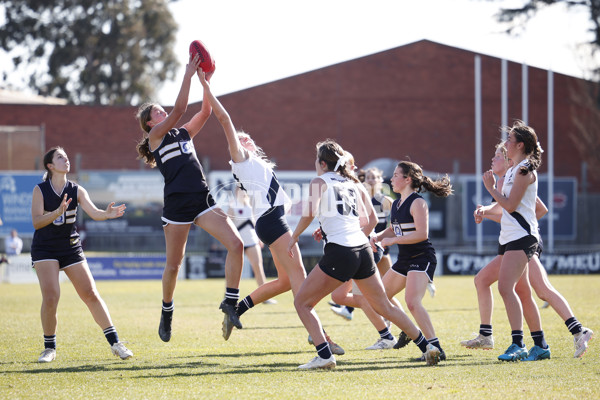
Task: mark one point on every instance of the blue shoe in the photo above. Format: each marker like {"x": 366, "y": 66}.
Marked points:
{"x": 513, "y": 353}
{"x": 537, "y": 353}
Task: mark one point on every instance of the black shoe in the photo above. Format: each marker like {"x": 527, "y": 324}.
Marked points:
{"x": 230, "y": 311}
{"x": 227, "y": 327}
{"x": 164, "y": 328}
{"x": 403, "y": 340}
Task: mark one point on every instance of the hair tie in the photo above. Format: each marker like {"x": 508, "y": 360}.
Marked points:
{"x": 342, "y": 160}
{"x": 540, "y": 147}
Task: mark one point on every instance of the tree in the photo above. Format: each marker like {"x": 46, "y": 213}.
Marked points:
{"x": 114, "y": 52}
{"x": 586, "y": 95}
{"x": 519, "y": 16}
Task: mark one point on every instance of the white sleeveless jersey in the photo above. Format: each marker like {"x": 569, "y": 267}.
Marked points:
{"x": 522, "y": 221}
{"x": 257, "y": 178}
{"x": 338, "y": 212}
{"x": 244, "y": 222}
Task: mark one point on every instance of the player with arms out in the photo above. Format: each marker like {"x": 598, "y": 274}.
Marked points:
{"x": 187, "y": 199}
{"x": 56, "y": 247}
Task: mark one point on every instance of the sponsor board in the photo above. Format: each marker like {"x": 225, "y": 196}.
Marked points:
{"x": 104, "y": 268}
{"x": 470, "y": 264}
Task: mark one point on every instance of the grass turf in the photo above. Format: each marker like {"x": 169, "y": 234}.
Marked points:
{"x": 261, "y": 360}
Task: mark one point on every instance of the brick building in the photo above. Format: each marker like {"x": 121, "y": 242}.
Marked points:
{"x": 415, "y": 101}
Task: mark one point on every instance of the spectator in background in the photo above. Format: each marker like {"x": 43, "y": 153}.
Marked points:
{"x": 13, "y": 244}
{"x": 3, "y": 258}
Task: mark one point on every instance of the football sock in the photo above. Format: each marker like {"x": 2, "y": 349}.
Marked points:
{"x": 244, "y": 305}
{"x": 386, "y": 334}
{"x": 50, "y": 341}
{"x": 421, "y": 342}
{"x": 485, "y": 330}
{"x": 323, "y": 350}
{"x": 517, "y": 338}
{"x": 232, "y": 295}
{"x": 436, "y": 342}
{"x": 111, "y": 335}
{"x": 539, "y": 340}
{"x": 168, "y": 307}
{"x": 573, "y": 325}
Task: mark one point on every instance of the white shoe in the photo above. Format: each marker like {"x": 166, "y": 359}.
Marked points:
{"x": 432, "y": 355}
{"x": 382, "y": 344}
{"x": 479, "y": 342}
{"x": 581, "y": 340}
{"x": 270, "y": 301}
{"x": 47, "y": 356}
{"x": 319, "y": 362}
{"x": 119, "y": 350}
{"x": 342, "y": 312}
{"x": 431, "y": 288}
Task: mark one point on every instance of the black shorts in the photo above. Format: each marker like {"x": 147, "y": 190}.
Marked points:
{"x": 529, "y": 244}
{"x": 422, "y": 263}
{"x": 65, "y": 259}
{"x": 184, "y": 208}
{"x": 540, "y": 248}
{"x": 271, "y": 225}
{"x": 345, "y": 263}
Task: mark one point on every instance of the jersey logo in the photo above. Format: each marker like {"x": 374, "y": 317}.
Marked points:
{"x": 186, "y": 147}
{"x": 397, "y": 229}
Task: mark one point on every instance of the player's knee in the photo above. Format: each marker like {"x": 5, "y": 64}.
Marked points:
{"x": 338, "y": 298}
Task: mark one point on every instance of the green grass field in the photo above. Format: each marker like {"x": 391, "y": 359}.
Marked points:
{"x": 260, "y": 361}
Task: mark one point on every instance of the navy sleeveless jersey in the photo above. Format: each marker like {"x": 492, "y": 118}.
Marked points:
{"x": 177, "y": 161}
{"x": 404, "y": 224}
{"x": 381, "y": 217}
{"x": 61, "y": 235}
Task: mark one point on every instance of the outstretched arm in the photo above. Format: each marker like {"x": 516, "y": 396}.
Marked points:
{"x": 236, "y": 151}
{"x": 94, "y": 212}
{"x": 159, "y": 130}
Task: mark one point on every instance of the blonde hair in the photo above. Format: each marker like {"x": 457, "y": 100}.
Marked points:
{"x": 258, "y": 152}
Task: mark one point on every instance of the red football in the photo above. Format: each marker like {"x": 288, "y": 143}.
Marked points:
{"x": 206, "y": 62}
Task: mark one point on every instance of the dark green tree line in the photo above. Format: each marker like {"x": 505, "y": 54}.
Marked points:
{"x": 112, "y": 52}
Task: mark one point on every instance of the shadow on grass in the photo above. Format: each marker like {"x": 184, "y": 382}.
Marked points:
{"x": 116, "y": 366}
{"x": 201, "y": 368}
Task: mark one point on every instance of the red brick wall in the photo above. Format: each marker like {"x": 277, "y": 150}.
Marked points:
{"x": 413, "y": 101}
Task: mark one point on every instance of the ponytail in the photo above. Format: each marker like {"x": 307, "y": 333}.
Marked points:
{"x": 440, "y": 187}
{"x": 143, "y": 147}
{"x": 531, "y": 147}
{"x": 335, "y": 158}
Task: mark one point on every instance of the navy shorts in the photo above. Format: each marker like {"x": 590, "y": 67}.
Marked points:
{"x": 378, "y": 255}
{"x": 345, "y": 263}
{"x": 529, "y": 244}
{"x": 65, "y": 259}
{"x": 271, "y": 225}
{"x": 422, "y": 263}
{"x": 184, "y": 208}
